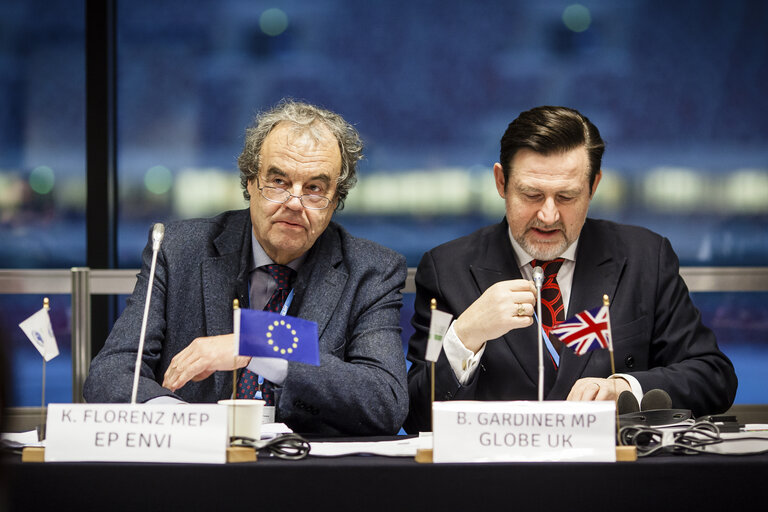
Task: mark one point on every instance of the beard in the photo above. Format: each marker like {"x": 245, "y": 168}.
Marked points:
{"x": 543, "y": 251}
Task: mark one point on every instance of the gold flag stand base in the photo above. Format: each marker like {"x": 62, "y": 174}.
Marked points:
{"x": 626, "y": 453}
{"x": 33, "y": 454}
{"x": 423, "y": 455}
{"x": 241, "y": 454}
{"x": 234, "y": 454}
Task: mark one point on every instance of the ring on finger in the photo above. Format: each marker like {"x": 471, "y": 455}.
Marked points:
{"x": 520, "y": 309}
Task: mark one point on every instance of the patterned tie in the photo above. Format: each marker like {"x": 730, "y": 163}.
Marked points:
{"x": 552, "y": 308}
{"x": 248, "y": 384}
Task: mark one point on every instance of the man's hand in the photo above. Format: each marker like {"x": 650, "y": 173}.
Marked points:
{"x": 504, "y": 306}
{"x": 598, "y": 389}
{"x": 201, "y": 358}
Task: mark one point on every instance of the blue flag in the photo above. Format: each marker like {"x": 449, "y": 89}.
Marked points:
{"x": 267, "y": 334}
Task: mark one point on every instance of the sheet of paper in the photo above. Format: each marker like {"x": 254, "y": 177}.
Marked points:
{"x": 272, "y": 430}
{"x": 20, "y": 439}
{"x": 395, "y": 448}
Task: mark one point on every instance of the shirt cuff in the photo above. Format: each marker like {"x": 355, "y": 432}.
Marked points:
{"x": 274, "y": 369}
{"x": 634, "y": 385}
{"x": 462, "y": 360}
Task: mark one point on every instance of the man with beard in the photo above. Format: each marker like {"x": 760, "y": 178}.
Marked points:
{"x": 548, "y": 172}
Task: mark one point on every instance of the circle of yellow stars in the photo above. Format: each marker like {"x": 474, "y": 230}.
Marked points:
{"x": 286, "y": 326}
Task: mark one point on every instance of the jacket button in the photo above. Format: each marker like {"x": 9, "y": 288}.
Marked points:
{"x": 629, "y": 362}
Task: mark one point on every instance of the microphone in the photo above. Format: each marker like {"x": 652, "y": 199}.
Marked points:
{"x": 655, "y": 399}
{"x": 655, "y": 410}
{"x": 538, "y": 280}
{"x": 627, "y": 403}
{"x": 158, "y": 232}
{"x": 538, "y": 277}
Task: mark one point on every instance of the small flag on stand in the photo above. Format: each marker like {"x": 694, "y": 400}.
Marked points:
{"x": 438, "y": 326}
{"x": 588, "y": 330}
{"x": 39, "y": 331}
{"x": 266, "y": 334}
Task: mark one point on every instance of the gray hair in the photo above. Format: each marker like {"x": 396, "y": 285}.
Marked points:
{"x": 305, "y": 117}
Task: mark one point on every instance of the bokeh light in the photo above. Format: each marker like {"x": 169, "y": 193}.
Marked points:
{"x": 611, "y": 191}
{"x": 158, "y": 179}
{"x": 273, "y": 22}
{"x": 673, "y": 189}
{"x": 41, "y": 179}
{"x": 746, "y": 191}
{"x": 577, "y": 18}
{"x": 11, "y": 192}
{"x": 203, "y": 192}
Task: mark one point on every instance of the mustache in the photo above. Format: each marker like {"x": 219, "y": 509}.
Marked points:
{"x": 536, "y": 224}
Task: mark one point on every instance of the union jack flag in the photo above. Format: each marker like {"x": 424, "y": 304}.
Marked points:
{"x": 588, "y": 330}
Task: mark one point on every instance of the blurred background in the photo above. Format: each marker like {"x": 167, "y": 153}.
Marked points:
{"x": 677, "y": 90}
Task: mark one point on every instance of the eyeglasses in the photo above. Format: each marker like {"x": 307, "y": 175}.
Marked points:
{"x": 281, "y": 195}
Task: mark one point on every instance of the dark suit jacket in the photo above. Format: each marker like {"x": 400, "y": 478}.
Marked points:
{"x": 657, "y": 331}
{"x": 349, "y": 286}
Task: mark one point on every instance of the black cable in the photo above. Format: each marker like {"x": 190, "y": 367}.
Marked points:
{"x": 687, "y": 441}
{"x": 650, "y": 441}
{"x": 284, "y": 446}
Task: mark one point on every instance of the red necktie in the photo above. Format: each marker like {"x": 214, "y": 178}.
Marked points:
{"x": 552, "y": 308}
{"x": 248, "y": 384}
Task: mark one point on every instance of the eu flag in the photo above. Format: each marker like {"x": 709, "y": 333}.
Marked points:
{"x": 267, "y": 334}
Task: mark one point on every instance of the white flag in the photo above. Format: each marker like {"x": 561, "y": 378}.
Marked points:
{"x": 438, "y": 326}
{"x": 39, "y": 331}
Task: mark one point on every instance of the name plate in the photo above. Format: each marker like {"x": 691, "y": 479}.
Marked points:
{"x": 136, "y": 433}
{"x": 520, "y": 431}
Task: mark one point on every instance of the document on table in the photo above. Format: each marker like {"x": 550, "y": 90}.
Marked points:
{"x": 396, "y": 448}
{"x": 272, "y": 430}
{"x": 15, "y": 440}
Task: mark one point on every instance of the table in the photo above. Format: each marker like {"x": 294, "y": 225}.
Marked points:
{"x": 369, "y": 483}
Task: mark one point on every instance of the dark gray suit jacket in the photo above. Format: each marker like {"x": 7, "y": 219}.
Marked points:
{"x": 349, "y": 286}
{"x": 657, "y": 331}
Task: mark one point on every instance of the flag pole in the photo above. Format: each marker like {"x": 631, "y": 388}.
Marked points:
{"x": 432, "y": 307}
{"x": 606, "y": 304}
{"x": 236, "y": 335}
{"x": 235, "y": 307}
{"x": 47, "y": 307}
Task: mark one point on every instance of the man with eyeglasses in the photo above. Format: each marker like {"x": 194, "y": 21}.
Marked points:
{"x": 547, "y": 174}
{"x": 297, "y": 166}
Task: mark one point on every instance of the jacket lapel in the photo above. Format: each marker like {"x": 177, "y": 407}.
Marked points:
{"x": 321, "y": 281}
{"x": 221, "y": 286}
{"x": 497, "y": 263}
{"x": 598, "y": 270}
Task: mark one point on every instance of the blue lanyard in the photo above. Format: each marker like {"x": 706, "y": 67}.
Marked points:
{"x": 548, "y": 343}
{"x": 287, "y": 304}
{"x": 283, "y": 312}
